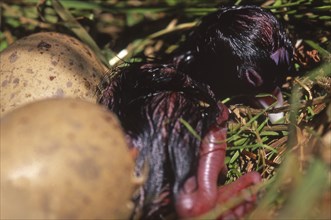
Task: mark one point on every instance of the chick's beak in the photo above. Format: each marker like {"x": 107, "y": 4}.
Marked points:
{"x": 276, "y": 100}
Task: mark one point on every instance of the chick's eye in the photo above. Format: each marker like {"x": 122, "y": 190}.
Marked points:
{"x": 280, "y": 56}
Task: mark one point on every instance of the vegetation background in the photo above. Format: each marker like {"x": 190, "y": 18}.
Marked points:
{"x": 294, "y": 156}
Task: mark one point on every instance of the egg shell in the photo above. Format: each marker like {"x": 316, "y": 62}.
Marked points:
{"x": 64, "y": 159}
{"x": 47, "y": 64}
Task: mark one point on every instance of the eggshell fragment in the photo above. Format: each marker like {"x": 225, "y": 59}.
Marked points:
{"x": 64, "y": 159}
{"x": 46, "y": 65}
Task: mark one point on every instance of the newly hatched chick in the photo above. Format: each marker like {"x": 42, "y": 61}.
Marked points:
{"x": 155, "y": 103}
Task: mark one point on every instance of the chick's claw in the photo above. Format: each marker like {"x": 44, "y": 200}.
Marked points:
{"x": 239, "y": 189}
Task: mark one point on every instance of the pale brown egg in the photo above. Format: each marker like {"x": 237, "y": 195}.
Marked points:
{"x": 64, "y": 159}
{"x": 47, "y": 65}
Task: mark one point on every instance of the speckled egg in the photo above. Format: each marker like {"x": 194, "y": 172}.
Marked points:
{"x": 64, "y": 159}
{"x": 46, "y": 65}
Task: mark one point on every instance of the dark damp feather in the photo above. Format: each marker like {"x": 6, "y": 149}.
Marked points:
{"x": 149, "y": 101}
{"x": 240, "y": 49}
